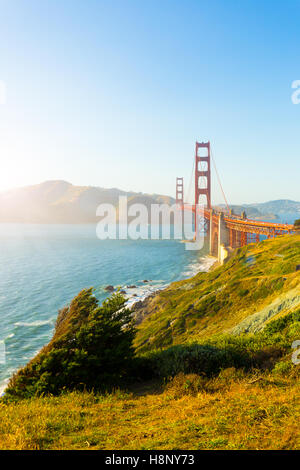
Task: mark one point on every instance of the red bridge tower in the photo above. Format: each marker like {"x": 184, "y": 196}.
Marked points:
{"x": 202, "y": 184}
{"x": 202, "y": 173}
{"x": 179, "y": 191}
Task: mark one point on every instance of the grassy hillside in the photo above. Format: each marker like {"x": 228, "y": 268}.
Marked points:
{"x": 213, "y": 367}
{"x": 260, "y": 279}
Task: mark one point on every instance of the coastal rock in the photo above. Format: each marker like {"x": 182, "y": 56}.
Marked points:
{"x": 131, "y": 287}
{"x": 143, "y": 308}
{"x": 109, "y": 288}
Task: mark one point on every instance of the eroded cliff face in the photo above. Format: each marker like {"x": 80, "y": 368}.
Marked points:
{"x": 283, "y": 304}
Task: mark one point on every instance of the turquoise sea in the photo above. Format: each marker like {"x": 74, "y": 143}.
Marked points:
{"x": 42, "y": 267}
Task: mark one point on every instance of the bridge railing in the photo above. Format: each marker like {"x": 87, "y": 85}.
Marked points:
{"x": 238, "y": 220}
{"x": 259, "y": 223}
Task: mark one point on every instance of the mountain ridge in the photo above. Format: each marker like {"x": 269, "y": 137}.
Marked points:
{"x": 58, "y": 201}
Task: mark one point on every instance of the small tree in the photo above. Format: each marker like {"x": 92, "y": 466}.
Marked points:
{"x": 91, "y": 348}
{"x": 297, "y": 223}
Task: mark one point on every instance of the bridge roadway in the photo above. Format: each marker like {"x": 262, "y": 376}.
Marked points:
{"x": 238, "y": 223}
{"x": 231, "y": 231}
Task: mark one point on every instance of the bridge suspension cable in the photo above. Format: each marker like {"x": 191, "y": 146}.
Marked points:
{"x": 189, "y": 193}
{"x": 219, "y": 180}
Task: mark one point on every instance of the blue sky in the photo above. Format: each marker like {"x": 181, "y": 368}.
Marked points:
{"x": 114, "y": 93}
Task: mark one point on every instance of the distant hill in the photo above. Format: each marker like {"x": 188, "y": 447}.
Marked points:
{"x": 62, "y": 202}
{"x": 251, "y": 211}
{"x": 281, "y": 206}
{"x": 269, "y": 210}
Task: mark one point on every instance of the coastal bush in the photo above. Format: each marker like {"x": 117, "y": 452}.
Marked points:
{"x": 245, "y": 352}
{"x": 196, "y": 358}
{"x": 280, "y": 324}
{"x": 91, "y": 349}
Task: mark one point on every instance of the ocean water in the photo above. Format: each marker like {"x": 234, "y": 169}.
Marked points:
{"x": 42, "y": 267}
{"x": 288, "y": 218}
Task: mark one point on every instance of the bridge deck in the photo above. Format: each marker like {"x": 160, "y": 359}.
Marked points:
{"x": 240, "y": 224}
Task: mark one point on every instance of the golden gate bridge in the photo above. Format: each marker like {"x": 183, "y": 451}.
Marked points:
{"x": 222, "y": 228}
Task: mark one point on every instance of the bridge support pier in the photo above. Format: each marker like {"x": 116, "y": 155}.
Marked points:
{"x": 233, "y": 238}
{"x": 219, "y": 236}
{"x": 244, "y": 238}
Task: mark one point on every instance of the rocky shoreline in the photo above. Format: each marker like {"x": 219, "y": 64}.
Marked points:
{"x": 143, "y": 308}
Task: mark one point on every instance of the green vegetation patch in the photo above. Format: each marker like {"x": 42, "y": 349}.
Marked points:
{"x": 91, "y": 349}
{"x": 215, "y": 302}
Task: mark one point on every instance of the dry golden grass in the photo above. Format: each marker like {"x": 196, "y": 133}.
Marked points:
{"x": 244, "y": 413}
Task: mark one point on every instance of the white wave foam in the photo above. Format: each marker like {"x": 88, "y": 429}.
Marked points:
{"x": 140, "y": 293}
{"x": 2, "y": 389}
{"x": 202, "y": 265}
{"x": 35, "y": 323}
{"x": 9, "y": 336}
{"x": 3, "y": 386}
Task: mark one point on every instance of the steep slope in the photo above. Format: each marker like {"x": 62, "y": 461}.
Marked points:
{"x": 260, "y": 282}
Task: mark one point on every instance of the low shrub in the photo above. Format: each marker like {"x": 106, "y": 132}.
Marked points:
{"x": 91, "y": 349}
{"x": 196, "y": 358}
{"x": 247, "y": 351}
